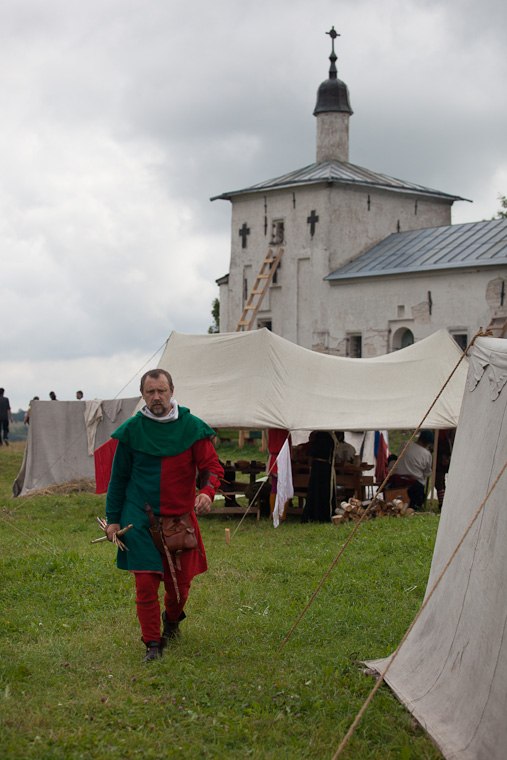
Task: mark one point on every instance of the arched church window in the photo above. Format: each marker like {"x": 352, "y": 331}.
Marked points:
{"x": 407, "y": 339}
{"x": 402, "y": 338}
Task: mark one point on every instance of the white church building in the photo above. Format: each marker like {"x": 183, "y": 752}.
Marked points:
{"x": 367, "y": 263}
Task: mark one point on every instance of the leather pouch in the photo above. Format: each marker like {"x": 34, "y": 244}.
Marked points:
{"x": 178, "y": 532}
{"x": 175, "y": 533}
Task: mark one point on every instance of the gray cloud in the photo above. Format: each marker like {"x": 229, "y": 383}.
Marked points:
{"x": 120, "y": 119}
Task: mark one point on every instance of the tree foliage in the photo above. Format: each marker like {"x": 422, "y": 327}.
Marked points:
{"x": 215, "y": 313}
{"x": 502, "y": 212}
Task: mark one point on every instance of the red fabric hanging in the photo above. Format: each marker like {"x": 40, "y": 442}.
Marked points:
{"x": 276, "y": 439}
{"x": 103, "y": 457}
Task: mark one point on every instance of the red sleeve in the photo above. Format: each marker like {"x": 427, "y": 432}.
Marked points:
{"x": 209, "y": 468}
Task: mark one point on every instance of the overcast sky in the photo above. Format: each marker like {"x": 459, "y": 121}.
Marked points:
{"x": 121, "y": 118}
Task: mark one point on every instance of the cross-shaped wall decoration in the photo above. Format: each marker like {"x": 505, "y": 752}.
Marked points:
{"x": 243, "y": 233}
{"x": 312, "y": 221}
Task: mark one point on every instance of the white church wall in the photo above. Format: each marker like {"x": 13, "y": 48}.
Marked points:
{"x": 223, "y": 296}
{"x": 283, "y": 301}
{"x": 460, "y": 302}
{"x": 348, "y": 221}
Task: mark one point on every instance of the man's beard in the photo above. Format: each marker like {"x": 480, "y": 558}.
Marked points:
{"x": 158, "y": 410}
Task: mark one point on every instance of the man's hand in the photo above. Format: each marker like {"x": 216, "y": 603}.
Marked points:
{"x": 202, "y": 504}
{"x": 111, "y": 530}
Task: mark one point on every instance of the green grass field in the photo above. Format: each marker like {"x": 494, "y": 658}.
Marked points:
{"x": 73, "y": 684}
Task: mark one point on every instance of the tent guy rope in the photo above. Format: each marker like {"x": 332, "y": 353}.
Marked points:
{"x": 382, "y": 675}
{"x": 35, "y": 540}
{"x": 141, "y": 368}
{"x": 375, "y": 499}
{"x": 256, "y": 495}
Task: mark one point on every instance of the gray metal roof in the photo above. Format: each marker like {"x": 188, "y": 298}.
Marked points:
{"x": 458, "y": 246}
{"x": 339, "y": 173}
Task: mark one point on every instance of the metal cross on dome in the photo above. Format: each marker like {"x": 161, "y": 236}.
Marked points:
{"x": 333, "y": 34}
{"x": 333, "y": 57}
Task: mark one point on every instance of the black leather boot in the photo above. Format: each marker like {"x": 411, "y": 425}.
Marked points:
{"x": 171, "y": 629}
{"x": 153, "y": 651}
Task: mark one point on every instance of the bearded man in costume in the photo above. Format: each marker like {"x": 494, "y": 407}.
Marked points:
{"x": 159, "y": 452}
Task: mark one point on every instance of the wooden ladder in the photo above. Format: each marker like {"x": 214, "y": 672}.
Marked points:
{"x": 260, "y": 286}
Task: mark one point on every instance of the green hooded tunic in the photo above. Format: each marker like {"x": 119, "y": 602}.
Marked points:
{"x": 155, "y": 463}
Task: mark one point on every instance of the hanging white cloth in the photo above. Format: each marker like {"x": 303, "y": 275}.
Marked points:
{"x": 284, "y": 488}
{"x": 93, "y": 415}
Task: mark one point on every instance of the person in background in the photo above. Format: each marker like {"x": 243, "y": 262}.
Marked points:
{"x": 414, "y": 468}
{"x": 52, "y": 396}
{"x": 344, "y": 452}
{"x": 153, "y": 477}
{"x": 26, "y": 419}
{"x": 320, "y": 500}
{"x": 5, "y": 418}
{"x": 79, "y": 395}
{"x": 391, "y": 459}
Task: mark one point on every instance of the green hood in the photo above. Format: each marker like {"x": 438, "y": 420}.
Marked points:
{"x": 163, "y": 439}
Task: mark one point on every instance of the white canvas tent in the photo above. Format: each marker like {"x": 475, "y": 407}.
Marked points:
{"x": 259, "y": 380}
{"x": 451, "y": 672}
{"x": 62, "y": 437}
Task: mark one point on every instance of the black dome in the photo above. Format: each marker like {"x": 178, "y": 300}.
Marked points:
{"x": 332, "y": 95}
